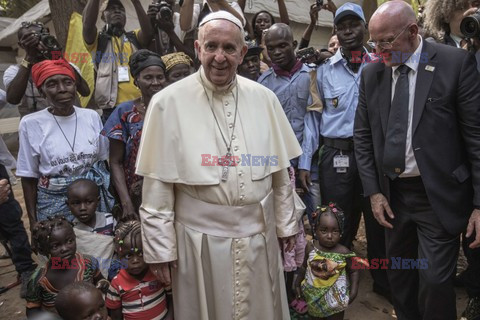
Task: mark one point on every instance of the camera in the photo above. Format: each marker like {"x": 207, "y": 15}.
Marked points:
{"x": 164, "y": 9}
{"x": 470, "y": 26}
{"x": 306, "y": 54}
{"x": 50, "y": 42}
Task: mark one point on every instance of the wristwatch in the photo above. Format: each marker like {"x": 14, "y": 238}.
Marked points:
{"x": 25, "y": 64}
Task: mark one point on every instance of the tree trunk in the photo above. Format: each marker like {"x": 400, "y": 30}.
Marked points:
{"x": 369, "y": 7}
{"x": 61, "y": 11}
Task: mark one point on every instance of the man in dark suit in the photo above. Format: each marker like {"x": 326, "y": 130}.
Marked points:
{"x": 417, "y": 145}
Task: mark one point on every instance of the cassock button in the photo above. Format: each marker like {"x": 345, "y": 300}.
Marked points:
{"x": 229, "y": 114}
{"x": 235, "y": 149}
{"x": 397, "y": 170}
{"x": 242, "y": 197}
{"x": 242, "y": 185}
{"x": 233, "y": 137}
{"x": 226, "y": 104}
{"x": 230, "y": 125}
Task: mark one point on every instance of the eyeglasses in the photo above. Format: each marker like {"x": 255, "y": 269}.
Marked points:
{"x": 386, "y": 44}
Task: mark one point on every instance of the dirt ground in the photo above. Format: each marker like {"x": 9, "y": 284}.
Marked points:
{"x": 367, "y": 306}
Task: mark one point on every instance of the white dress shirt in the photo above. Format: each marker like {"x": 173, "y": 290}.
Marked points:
{"x": 411, "y": 168}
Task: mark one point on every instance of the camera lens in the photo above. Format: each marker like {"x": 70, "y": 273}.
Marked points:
{"x": 470, "y": 26}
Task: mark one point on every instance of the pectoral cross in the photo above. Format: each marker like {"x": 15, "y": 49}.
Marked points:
{"x": 227, "y": 162}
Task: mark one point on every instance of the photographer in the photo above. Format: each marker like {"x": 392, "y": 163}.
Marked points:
{"x": 169, "y": 37}
{"x": 475, "y": 40}
{"x": 111, "y": 48}
{"x": 442, "y": 21}
{"x": 39, "y": 45}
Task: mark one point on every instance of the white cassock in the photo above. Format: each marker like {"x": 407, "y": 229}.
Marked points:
{"x": 223, "y": 233}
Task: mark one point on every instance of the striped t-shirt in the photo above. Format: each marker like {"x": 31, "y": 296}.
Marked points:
{"x": 140, "y": 300}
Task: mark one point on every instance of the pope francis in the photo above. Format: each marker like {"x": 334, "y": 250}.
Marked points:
{"x": 216, "y": 193}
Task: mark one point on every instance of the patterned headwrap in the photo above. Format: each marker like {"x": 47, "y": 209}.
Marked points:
{"x": 43, "y": 70}
{"x": 176, "y": 58}
{"x": 142, "y": 59}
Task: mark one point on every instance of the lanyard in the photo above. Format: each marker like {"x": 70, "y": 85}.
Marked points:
{"x": 120, "y": 54}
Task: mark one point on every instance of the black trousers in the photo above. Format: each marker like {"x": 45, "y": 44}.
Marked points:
{"x": 471, "y": 276}
{"x": 425, "y": 292}
{"x": 12, "y": 229}
{"x": 345, "y": 189}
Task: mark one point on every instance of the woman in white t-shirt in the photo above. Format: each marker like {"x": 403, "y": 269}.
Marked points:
{"x": 59, "y": 145}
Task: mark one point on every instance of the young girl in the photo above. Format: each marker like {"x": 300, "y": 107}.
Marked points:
{"x": 55, "y": 239}
{"x": 329, "y": 284}
{"x": 135, "y": 293}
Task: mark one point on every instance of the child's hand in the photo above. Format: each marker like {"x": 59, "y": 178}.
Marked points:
{"x": 103, "y": 285}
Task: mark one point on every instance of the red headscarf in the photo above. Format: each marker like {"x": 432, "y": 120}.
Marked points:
{"x": 43, "y": 70}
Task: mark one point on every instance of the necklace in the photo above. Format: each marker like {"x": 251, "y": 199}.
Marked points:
{"x": 72, "y": 146}
{"x": 227, "y": 160}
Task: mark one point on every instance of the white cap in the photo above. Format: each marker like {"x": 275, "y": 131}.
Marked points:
{"x": 222, "y": 15}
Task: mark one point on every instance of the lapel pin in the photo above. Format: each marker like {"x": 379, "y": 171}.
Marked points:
{"x": 430, "y": 68}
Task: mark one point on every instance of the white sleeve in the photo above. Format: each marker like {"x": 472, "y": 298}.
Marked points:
{"x": 237, "y": 8}
{"x": 157, "y": 218}
{"x": 284, "y": 204}
{"x": 9, "y": 75}
{"x": 28, "y": 160}
{"x": 195, "y": 15}
{"x": 103, "y": 143}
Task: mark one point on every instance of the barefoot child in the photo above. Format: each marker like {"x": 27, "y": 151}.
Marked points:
{"x": 135, "y": 293}
{"x": 81, "y": 300}
{"x": 330, "y": 284}
{"x": 94, "y": 230}
{"x": 56, "y": 240}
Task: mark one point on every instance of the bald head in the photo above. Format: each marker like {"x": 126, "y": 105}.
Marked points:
{"x": 396, "y": 12}
{"x": 394, "y": 28}
{"x": 280, "y": 30}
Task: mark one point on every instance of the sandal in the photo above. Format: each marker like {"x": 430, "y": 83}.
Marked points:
{"x": 299, "y": 306}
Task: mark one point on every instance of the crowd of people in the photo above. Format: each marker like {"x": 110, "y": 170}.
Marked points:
{"x": 222, "y": 168}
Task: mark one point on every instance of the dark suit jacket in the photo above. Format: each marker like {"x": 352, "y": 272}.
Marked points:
{"x": 445, "y": 131}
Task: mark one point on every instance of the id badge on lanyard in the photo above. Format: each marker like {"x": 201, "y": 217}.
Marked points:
{"x": 341, "y": 162}
{"x": 123, "y": 71}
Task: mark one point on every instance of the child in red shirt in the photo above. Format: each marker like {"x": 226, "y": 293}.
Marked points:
{"x": 135, "y": 292}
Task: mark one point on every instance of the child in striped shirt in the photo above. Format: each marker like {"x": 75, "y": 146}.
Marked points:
{"x": 135, "y": 292}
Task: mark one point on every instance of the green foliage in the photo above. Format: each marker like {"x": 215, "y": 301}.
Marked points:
{"x": 15, "y": 8}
